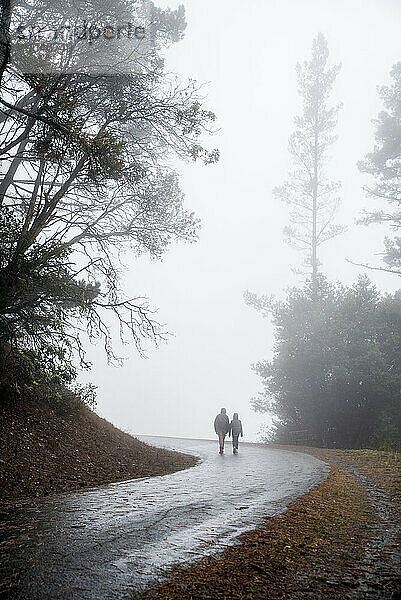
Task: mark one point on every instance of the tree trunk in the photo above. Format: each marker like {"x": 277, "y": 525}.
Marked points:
{"x": 314, "y": 206}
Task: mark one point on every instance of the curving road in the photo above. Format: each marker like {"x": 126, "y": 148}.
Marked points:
{"x": 105, "y": 542}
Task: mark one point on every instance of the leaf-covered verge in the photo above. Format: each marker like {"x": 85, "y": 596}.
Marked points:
{"x": 384, "y": 468}
{"x": 314, "y": 550}
{"x": 50, "y": 449}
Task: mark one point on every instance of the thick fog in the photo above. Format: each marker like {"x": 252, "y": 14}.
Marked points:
{"x": 246, "y": 54}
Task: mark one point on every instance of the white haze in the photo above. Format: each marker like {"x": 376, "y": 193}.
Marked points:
{"x": 246, "y": 52}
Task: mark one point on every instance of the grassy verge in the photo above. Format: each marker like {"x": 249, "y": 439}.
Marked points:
{"x": 44, "y": 451}
{"x": 313, "y": 551}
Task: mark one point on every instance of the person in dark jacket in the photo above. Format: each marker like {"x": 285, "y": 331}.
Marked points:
{"x": 221, "y": 427}
{"x": 236, "y": 431}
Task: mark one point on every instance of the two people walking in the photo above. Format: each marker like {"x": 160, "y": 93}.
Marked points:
{"x": 222, "y": 426}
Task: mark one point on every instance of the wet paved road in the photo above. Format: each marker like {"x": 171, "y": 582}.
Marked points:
{"x": 105, "y": 542}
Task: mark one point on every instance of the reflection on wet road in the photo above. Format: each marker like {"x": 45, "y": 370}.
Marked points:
{"x": 105, "y": 542}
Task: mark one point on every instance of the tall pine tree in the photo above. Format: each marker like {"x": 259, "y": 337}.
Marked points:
{"x": 309, "y": 192}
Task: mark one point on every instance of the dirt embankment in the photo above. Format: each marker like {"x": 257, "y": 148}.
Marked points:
{"x": 340, "y": 541}
{"x": 43, "y": 451}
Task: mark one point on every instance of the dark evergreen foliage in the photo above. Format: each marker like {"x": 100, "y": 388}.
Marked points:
{"x": 86, "y": 163}
{"x": 335, "y": 378}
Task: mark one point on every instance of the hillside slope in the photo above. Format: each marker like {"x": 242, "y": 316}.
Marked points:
{"x": 43, "y": 451}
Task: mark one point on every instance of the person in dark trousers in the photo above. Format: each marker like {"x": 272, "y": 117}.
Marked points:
{"x": 236, "y": 431}
{"x": 221, "y": 427}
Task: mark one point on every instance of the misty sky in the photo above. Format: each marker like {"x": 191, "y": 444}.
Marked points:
{"x": 246, "y": 53}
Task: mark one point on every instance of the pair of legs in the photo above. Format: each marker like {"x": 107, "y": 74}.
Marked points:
{"x": 221, "y": 441}
{"x": 235, "y": 443}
